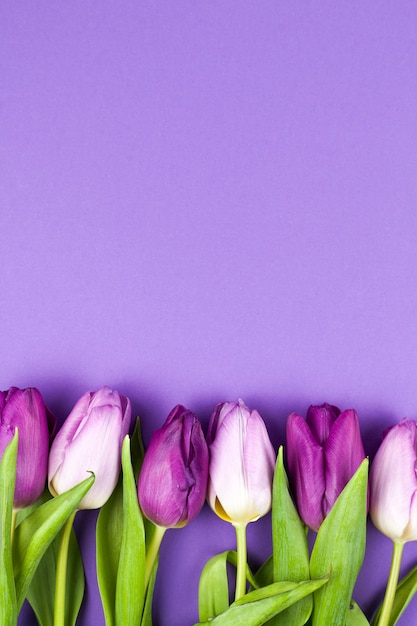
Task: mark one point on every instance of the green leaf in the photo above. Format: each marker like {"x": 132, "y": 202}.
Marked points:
{"x": 37, "y": 531}
{"x": 339, "y": 549}
{"x": 41, "y": 592}
{"x": 290, "y": 548}
{"x": 213, "y": 591}
{"x": 8, "y": 606}
{"x": 355, "y": 616}
{"x": 130, "y": 586}
{"x": 109, "y": 532}
{"x": 259, "y": 606}
{"x": 120, "y": 538}
{"x": 147, "y": 611}
{"x": 265, "y": 574}
{"x": 406, "y": 589}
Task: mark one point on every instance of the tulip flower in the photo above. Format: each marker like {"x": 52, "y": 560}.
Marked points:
{"x": 242, "y": 462}
{"x": 24, "y": 409}
{"x": 173, "y": 478}
{"x": 393, "y": 483}
{"x": 323, "y": 453}
{"x": 90, "y": 440}
{"x": 393, "y": 507}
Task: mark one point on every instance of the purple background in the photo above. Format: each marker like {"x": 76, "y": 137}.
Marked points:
{"x": 209, "y": 200}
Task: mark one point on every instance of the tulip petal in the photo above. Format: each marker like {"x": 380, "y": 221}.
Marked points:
{"x": 259, "y": 466}
{"x": 394, "y": 484}
{"x": 24, "y": 409}
{"x": 320, "y": 420}
{"x": 228, "y": 476}
{"x": 343, "y": 453}
{"x": 241, "y": 464}
{"x": 91, "y": 450}
{"x": 306, "y": 469}
{"x": 67, "y": 433}
{"x": 2, "y": 401}
{"x": 173, "y": 478}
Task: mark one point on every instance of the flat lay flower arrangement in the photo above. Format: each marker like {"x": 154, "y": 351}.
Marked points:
{"x": 317, "y": 487}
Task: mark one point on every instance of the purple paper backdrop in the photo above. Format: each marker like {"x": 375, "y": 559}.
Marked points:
{"x": 202, "y": 201}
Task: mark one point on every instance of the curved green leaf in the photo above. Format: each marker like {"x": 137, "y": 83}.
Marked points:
{"x": 259, "y": 606}
{"x": 120, "y": 540}
{"x": 147, "y": 610}
{"x": 37, "y": 531}
{"x": 8, "y": 606}
{"x": 213, "y": 590}
{"x": 265, "y": 574}
{"x": 290, "y": 548}
{"x": 130, "y": 597}
{"x": 41, "y": 592}
{"x": 108, "y": 545}
{"x": 355, "y": 616}
{"x": 339, "y": 549}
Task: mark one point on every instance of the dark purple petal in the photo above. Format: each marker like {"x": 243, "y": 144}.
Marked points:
{"x": 2, "y": 400}
{"x": 173, "y": 478}
{"x": 320, "y": 420}
{"x": 343, "y": 453}
{"x": 306, "y": 470}
{"x": 24, "y": 409}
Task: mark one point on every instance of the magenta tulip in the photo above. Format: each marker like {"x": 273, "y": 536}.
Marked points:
{"x": 242, "y": 462}
{"x": 323, "y": 453}
{"x": 173, "y": 478}
{"x": 393, "y": 483}
{"x": 90, "y": 440}
{"x": 24, "y": 409}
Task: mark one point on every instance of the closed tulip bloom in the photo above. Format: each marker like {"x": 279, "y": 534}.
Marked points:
{"x": 90, "y": 440}
{"x": 242, "y": 462}
{"x": 24, "y": 409}
{"x": 173, "y": 478}
{"x": 323, "y": 453}
{"x": 393, "y": 483}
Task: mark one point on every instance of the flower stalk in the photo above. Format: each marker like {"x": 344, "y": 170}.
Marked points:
{"x": 241, "y": 560}
{"x": 394, "y": 573}
{"x": 61, "y": 572}
{"x": 152, "y": 551}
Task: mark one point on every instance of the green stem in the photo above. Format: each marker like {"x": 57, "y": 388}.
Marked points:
{"x": 241, "y": 560}
{"x": 152, "y": 551}
{"x": 14, "y": 515}
{"x": 392, "y": 584}
{"x": 61, "y": 572}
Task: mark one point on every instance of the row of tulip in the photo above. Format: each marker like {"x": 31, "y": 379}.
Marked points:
{"x": 236, "y": 470}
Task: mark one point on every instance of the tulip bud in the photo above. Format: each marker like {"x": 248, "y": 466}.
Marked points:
{"x": 90, "y": 440}
{"x": 242, "y": 462}
{"x": 323, "y": 453}
{"x": 173, "y": 478}
{"x": 393, "y": 483}
{"x": 24, "y": 409}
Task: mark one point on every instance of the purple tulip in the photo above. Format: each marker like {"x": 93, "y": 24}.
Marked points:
{"x": 24, "y": 409}
{"x": 90, "y": 440}
{"x": 393, "y": 483}
{"x": 323, "y": 453}
{"x": 173, "y": 479}
{"x": 242, "y": 462}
